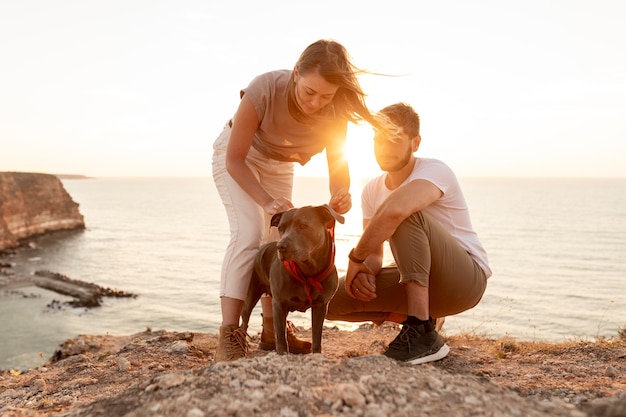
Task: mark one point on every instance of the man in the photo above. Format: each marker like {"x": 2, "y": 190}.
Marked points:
{"x": 442, "y": 267}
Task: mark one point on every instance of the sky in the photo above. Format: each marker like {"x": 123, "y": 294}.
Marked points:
{"x": 143, "y": 87}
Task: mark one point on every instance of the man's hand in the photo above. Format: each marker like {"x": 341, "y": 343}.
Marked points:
{"x": 360, "y": 282}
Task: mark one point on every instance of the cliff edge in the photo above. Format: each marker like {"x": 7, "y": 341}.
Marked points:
{"x": 32, "y": 204}
{"x": 164, "y": 373}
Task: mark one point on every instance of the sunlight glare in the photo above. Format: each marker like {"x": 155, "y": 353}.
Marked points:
{"x": 359, "y": 150}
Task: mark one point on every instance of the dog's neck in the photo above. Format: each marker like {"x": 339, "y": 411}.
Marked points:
{"x": 313, "y": 281}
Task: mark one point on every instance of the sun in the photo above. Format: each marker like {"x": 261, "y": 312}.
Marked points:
{"x": 359, "y": 150}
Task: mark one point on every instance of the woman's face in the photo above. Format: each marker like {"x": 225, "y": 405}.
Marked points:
{"x": 313, "y": 92}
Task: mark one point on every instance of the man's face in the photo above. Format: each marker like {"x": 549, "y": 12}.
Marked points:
{"x": 392, "y": 152}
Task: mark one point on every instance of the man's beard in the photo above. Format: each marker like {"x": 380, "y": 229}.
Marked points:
{"x": 401, "y": 163}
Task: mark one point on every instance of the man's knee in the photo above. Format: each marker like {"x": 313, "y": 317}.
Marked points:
{"x": 412, "y": 223}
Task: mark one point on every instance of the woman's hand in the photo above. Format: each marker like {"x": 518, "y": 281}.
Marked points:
{"x": 277, "y": 205}
{"x": 341, "y": 202}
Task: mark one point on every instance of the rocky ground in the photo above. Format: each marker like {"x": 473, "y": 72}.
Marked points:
{"x": 159, "y": 373}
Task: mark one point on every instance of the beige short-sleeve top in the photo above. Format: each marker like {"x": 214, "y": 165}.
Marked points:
{"x": 280, "y": 136}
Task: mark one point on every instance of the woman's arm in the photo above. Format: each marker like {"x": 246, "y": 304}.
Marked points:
{"x": 339, "y": 174}
{"x": 245, "y": 124}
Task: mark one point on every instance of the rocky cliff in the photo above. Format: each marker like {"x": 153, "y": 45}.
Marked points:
{"x": 32, "y": 204}
{"x": 161, "y": 373}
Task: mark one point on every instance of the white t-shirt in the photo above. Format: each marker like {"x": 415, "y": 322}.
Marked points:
{"x": 450, "y": 210}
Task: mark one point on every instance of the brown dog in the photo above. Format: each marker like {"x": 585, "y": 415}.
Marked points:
{"x": 298, "y": 270}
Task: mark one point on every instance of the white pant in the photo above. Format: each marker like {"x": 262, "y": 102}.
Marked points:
{"x": 249, "y": 224}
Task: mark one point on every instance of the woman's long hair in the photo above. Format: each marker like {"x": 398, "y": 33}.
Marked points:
{"x": 331, "y": 60}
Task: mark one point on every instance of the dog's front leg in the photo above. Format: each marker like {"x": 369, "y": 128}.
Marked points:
{"x": 318, "y": 314}
{"x": 280, "y": 326}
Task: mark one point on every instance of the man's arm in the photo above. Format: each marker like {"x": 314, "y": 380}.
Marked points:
{"x": 360, "y": 280}
{"x": 404, "y": 201}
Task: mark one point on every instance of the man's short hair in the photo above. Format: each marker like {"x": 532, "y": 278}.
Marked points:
{"x": 402, "y": 116}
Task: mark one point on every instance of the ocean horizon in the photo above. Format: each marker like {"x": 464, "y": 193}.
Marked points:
{"x": 555, "y": 245}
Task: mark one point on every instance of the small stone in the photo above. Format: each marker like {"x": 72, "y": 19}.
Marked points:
{"x": 39, "y": 385}
{"x": 375, "y": 411}
{"x": 336, "y": 405}
{"x": 400, "y": 400}
{"x": 611, "y": 372}
{"x": 257, "y": 395}
{"x": 350, "y": 395}
{"x": 434, "y": 383}
{"x": 233, "y": 407}
{"x": 178, "y": 346}
{"x": 471, "y": 400}
{"x": 123, "y": 364}
{"x": 253, "y": 383}
{"x": 287, "y": 412}
{"x": 170, "y": 380}
{"x": 285, "y": 391}
{"x": 183, "y": 398}
{"x": 195, "y": 412}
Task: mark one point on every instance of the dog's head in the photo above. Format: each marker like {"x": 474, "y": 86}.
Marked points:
{"x": 304, "y": 231}
{"x": 324, "y": 211}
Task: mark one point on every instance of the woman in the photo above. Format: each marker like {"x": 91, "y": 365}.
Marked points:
{"x": 284, "y": 116}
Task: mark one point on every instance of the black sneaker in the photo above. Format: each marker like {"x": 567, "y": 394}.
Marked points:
{"x": 417, "y": 343}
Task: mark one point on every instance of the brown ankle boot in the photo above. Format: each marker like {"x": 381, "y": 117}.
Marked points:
{"x": 232, "y": 344}
{"x": 294, "y": 344}
{"x": 439, "y": 323}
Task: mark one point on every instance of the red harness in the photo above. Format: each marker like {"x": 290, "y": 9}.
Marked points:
{"x": 313, "y": 282}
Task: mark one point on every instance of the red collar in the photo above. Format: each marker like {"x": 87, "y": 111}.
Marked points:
{"x": 313, "y": 282}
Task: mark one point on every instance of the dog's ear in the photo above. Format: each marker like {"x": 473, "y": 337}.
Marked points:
{"x": 333, "y": 214}
{"x": 276, "y": 219}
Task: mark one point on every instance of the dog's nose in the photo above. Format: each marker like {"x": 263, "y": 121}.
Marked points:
{"x": 281, "y": 245}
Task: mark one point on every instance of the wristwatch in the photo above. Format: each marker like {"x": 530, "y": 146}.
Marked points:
{"x": 354, "y": 258}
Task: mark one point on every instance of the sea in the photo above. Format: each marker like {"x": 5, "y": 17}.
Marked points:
{"x": 557, "y": 247}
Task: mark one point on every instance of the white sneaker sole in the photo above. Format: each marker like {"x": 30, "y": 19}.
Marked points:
{"x": 440, "y": 354}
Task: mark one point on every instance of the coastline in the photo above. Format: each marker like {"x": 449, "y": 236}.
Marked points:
{"x": 578, "y": 291}
{"x": 173, "y": 373}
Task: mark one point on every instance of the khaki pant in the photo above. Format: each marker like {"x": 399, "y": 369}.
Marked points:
{"x": 426, "y": 253}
